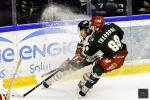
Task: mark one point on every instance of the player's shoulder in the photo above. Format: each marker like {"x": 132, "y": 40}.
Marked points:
{"x": 116, "y": 27}
{"x": 111, "y": 24}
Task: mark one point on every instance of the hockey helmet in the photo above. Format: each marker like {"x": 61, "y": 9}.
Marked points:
{"x": 84, "y": 24}
{"x": 97, "y": 21}
{"x": 84, "y": 28}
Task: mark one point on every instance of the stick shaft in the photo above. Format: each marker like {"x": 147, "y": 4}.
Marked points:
{"x": 28, "y": 92}
{"x": 12, "y": 80}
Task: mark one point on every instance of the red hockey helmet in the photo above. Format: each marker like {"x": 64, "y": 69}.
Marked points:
{"x": 97, "y": 21}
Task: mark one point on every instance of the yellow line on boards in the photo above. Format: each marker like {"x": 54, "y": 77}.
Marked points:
{"x": 21, "y": 81}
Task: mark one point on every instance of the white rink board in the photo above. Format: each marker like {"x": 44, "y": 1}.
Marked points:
{"x": 42, "y": 49}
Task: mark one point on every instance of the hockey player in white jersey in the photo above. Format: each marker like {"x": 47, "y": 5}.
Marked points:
{"x": 71, "y": 65}
{"x": 2, "y": 91}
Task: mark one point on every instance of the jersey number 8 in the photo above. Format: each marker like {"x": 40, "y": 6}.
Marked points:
{"x": 115, "y": 44}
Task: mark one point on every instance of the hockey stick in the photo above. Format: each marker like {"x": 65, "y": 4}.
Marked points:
{"x": 25, "y": 94}
{"x": 13, "y": 78}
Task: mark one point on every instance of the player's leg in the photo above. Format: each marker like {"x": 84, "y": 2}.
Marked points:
{"x": 2, "y": 97}
{"x": 2, "y": 91}
{"x": 65, "y": 66}
{"x": 89, "y": 79}
{"x": 68, "y": 67}
{"x": 55, "y": 78}
{"x": 102, "y": 65}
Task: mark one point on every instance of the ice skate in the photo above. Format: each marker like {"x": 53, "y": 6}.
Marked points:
{"x": 83, "y": 88}
{"x": 45, "y": 85}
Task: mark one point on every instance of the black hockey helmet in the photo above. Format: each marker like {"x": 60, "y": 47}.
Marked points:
{"x": 84, "y": 24}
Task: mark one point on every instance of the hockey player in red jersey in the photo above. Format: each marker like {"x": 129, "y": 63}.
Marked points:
{"x": 2, "y": 91}
{"x": 106, "y": 38}
{"x": 70, "y": 65}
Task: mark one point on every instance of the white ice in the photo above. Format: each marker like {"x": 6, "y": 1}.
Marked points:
{"x": 108, "y": 88}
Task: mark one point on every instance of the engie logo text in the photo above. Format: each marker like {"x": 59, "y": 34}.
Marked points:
{"x": 28, "y": 52}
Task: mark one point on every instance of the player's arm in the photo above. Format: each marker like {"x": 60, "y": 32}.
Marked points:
{"x": 79, "y": 48}
{"x": 92, "y": 53}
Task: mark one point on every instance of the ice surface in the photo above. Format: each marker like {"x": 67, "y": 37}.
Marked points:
{"x": 108, "y": 88}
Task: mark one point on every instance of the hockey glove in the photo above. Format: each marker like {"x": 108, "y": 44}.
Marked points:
{"x": 79, "y": 58}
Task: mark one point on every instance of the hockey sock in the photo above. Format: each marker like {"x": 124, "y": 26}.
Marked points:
{"x": 94, "y": 76}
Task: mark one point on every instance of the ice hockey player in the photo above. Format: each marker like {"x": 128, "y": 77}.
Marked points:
{"x": 106, "y": 38}
{"x": 2, "y": 91}
{"x": 70, "y": 65}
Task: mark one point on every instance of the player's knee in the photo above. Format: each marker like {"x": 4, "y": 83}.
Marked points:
{"x": 97, "y": 69}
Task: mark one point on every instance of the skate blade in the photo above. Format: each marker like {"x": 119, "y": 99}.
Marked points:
{"x": 80, "y": 97}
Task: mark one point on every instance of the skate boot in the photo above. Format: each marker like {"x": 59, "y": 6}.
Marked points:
{"x": 45, "y": 85}
{"x": 83, "y": 85}
{"x": 83, "y": 89}
{"x": 53, "y": 79}
{"x": 89, "y": 79}
{"x": 48, "y": 83}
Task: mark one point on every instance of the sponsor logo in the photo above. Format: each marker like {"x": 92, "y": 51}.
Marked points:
{"x": 35, "y": 68}
{"x": 2, "y": 73}
{"x": 53, "y": 48}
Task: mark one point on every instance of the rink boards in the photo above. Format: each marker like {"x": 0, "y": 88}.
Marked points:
{"x": 124, "y": 70}
{"x": 44, "y": 46}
